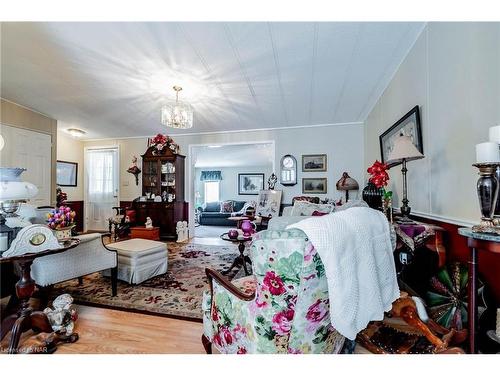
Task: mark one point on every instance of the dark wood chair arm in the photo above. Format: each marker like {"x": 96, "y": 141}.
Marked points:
{"x": 224, "y": 282}
{"x": 103, "y": 236}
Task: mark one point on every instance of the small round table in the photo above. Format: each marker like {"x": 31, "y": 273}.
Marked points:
{"x": 242, "y": 259}
{"x": 26, "y": 318}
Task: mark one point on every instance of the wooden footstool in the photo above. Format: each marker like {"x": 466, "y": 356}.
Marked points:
{"x": 145, "y": 233}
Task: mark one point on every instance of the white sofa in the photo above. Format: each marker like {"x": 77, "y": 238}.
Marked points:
{"x": 88, "y": 257}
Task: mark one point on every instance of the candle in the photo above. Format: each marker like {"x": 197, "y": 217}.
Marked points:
{"x": 498, "y": 323}
{"x": 4, "y": 243}
{"x": 495, "y": 134}
{"x": 487, "y": 152}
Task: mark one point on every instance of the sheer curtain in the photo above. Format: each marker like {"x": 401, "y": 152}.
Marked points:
{"x": 101, "y": 178}
{"x": 101, "y": 166}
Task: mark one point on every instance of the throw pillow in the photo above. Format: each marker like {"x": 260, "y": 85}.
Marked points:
{"x": 303, "y": 208}
{"x": 226, "y": 207}
{"x": 318, "y": 213}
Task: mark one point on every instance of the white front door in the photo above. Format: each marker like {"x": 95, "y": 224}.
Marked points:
{"x": 101, "y": 185}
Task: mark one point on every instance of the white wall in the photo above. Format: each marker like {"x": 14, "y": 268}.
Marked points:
{"x": 70, "y": 149}
{"x": 228, "y": 187}
{"x": 453, "y": 74}
{"x": 343, "y": 145}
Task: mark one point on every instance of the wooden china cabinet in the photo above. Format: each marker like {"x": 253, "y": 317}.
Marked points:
{"x": 162, "y": 176}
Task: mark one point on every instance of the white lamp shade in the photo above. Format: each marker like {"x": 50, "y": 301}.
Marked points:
{"x": 2, "y": 142}
{"x": 495, "y": 134}
{"x": 404, "y": 149}
{"x": 17, "y": 190}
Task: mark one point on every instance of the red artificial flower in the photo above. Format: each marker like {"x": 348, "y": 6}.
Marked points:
{"x": 379, "y": 176}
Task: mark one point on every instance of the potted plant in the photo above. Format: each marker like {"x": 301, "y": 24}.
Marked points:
{"x": 161, "y": 142}
{"x": 61, "y": 220}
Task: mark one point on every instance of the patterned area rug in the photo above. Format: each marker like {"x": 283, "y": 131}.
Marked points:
{"x": 177, "y": 293}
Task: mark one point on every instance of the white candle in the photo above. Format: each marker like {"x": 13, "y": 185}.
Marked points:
{"x": 4, "y": 243}
{"x": 494, "y": 133}
{"x": 487, "y": 152}
{"x": 498, "y": 323}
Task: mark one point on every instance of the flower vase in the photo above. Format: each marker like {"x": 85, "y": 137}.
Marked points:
{"x": 373, "y": 196}
{"x": 63, "y": 234}
{"x": 387, "y": 208}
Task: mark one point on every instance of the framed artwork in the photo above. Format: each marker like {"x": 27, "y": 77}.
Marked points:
{"x": 314, "y": 163}
{"x": 268, "y": 203}
{"x": 67, "y": 173}
{"x": 250, "y": 183}
{"x": 314, "y": 185}
{"x": 408, "y": 125}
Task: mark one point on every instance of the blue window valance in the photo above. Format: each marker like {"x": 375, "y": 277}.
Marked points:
{"x": 211, "y": 176}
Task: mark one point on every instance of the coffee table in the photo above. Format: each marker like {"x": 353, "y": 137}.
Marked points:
{"x": 242, "y": 259}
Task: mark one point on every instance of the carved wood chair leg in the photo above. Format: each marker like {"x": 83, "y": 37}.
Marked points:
{"x": 7, "y": 324}
{"x": 410, "y": 316}
{"x": 114, "y": 281}
{"x": 17, "y": 329}
{"x": 206, "y": 344}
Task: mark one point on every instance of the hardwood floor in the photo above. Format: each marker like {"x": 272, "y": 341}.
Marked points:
{"x": 107, "y": 331}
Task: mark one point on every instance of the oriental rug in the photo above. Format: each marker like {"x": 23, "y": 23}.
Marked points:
{"x": 177, "y": 293}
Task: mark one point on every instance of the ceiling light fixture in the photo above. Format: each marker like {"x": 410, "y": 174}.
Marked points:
{"x": 179, "y": 115}
{"x": 76, "y": 133}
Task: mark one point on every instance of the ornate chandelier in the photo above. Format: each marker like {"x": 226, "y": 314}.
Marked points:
{"x": 178, "y": 115}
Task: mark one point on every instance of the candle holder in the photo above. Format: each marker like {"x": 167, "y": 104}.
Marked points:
{"x": 487, "y": 192}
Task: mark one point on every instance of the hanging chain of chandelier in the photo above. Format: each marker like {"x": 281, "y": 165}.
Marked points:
{"x": 178, "y": 115}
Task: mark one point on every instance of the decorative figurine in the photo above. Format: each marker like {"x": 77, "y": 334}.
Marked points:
{"x": 149, "y": 223}
{"x": 182, "y": 231}
{"x": 271, "y": 181}
{"x": 62, "y": 315}
{"x": 233, "y": 234}
{"x": 134, "y": 169}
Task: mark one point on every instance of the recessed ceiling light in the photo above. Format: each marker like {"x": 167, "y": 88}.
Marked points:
{"x": 75, "y": 133}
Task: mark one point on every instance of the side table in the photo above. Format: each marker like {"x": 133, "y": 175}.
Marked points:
{"x": 26, "y": 318}
{"x": 483, "y": 242}
{"x": 242, "y": 258}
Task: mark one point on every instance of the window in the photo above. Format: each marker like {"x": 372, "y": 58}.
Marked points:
{"x": 211, "y": 191}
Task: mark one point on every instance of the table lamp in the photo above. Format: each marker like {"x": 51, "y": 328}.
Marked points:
{"x": 404, "y": 151}
{"x": 347, "y": 183}
{"x": 13, "y": 192}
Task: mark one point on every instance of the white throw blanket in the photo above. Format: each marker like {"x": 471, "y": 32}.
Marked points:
{"x": 355, "y": 248}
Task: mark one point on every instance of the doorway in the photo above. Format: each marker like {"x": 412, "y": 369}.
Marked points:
{"x": 215, "y": 175}
{"x": 101, "y": 186}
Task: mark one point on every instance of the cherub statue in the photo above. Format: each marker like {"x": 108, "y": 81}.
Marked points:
{"x": 62, "y": 315}
{"x": 149, "y": 222}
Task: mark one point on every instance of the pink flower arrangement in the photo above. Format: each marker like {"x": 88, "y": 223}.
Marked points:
{"x": 61, "y": 217}
{"x": 282, "y": 322}
{"x": 274, "y": 283}
{"x": 161, "y": 141}
{"x": 317, "y": 311}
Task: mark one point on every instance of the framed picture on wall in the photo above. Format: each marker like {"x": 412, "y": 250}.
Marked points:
{"x": 269, "y": 203}
{"x": 408, "y": 125}
{"x": 314, "y": 163}
{"x": 250, "y": 183}
{"x": 67, "y": 173}
{"x": 314, "y": 185}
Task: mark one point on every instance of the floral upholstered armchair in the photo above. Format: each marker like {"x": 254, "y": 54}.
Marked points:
{"x": 282, "y": 308}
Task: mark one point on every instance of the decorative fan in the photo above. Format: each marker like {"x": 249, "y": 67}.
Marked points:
{"x": 447, "y": 298}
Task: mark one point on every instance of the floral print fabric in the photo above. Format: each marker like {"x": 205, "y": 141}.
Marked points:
{"x": 290, "y": 311}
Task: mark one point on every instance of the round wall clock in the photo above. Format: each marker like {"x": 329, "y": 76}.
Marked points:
{"x": 288, "y": 173}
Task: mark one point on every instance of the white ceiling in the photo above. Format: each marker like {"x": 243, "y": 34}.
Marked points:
{"x": 244, "y": 155}
{"x": 111, "y": 79}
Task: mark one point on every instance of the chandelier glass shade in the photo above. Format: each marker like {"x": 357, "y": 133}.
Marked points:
{"x": 178, "y": 115}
